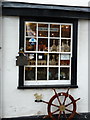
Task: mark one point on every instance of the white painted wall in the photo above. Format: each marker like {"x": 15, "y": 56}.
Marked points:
{"x": 82, "y": 66}
{"x": 57, "y": 2}
{"x": 89, "y": 66}
{"x": 21, "y": 102}
{"x": 0, "y": 66}
{"x": 0, "y": 60}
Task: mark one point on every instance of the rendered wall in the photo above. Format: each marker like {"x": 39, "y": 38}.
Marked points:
{"x": 57, "y": 2}
{"x": 21, "y": 102}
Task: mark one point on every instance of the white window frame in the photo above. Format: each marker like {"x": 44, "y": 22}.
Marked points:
{"x": 48, "y": 82}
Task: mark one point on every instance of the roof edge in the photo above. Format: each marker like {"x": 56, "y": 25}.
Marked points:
{"x": 44, "y": 6}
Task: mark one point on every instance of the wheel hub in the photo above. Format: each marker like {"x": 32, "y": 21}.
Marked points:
{"x": 62, "y": 108}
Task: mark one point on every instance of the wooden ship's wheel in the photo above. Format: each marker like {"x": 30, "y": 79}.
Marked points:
{"x": 61, "y": 103}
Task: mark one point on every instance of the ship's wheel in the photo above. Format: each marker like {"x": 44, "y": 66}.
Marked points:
{"x": 61, "y": 104}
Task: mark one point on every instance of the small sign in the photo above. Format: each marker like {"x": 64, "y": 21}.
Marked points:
{"x": 54, "y": 29}
{"x": 46, "y": 29}
{"x": 42, "y": 29}
{"x": 65, "y": 57}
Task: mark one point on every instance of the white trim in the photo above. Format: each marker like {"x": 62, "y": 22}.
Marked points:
{"x": 48, "y": 23}
{"x": 47, "y": 52}
{"x": 49, "y": 82}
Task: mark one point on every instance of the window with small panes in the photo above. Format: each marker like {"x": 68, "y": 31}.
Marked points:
{"x": 49, "y": 47}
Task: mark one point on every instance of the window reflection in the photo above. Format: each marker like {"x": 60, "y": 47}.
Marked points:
{"x": 66, "y": 31}
{"x": 41, "y": 73}
{"x": 31, "y": 29}
{"x": 42, "y": 44}
{"x": 64, "y": 74}
{"x": 54, "y": 30}
{"x": 43, "y": 30}
{"x": 53, "y": 73}
{"x": 29, "y": 73}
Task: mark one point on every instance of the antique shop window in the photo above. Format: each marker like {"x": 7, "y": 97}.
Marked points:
{"x": 49, "y": 50}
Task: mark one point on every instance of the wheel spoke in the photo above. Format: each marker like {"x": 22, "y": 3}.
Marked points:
{"x": 54, "y": 105}
{"x": 59, "y": 115}
{"x": 66, "y": 96}
{"x": 69, "y": 104}
{"x": 55, "y": 111}
{"x": 65, "y": 115}
{"x": 68, "y": 110}
{"x": 68, "y": 90}
{"x": 57, "y": 96}
{"x": 77, "y": 99}
{"x": 64, "y": 100}
{"x": 51, "y": 103}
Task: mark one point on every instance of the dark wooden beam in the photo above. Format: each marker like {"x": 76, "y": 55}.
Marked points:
{"x": 29, "y": 9}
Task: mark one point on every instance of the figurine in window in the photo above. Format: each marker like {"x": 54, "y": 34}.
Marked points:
{"x": 29, "y": 74}
{"x": 52, "y": 61}
{"x": 53, "y": 47}
{"x": 67, "y": 47}
{"x": 58, "y": 46}
{"x": 62, "y": 47}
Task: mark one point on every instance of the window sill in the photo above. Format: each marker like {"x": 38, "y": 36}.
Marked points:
{"x": 46, "y": 86}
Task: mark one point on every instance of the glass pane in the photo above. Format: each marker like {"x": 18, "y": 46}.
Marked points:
{"x": 53, "y": 59}
{"x": 41, "y": 73}
{"x": 65, "y": 45}
{"x": 29, "y": 73}
{"x": 43, "y": 30}
{"x": 42, "y": 44}
{"x": 31, "y": 59}
{"x": 66, "y": 31}
{"x": 54, "y": 30}
{"x": 42, "y": 59}
{"x": 64, "y": 59}
{"x": 31, "y": 44}
{"x": 53, "y": 73}
{"x": 30, "y": 29}
{"x": 64, "y": 73}
{"x": 54, "y": 45}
